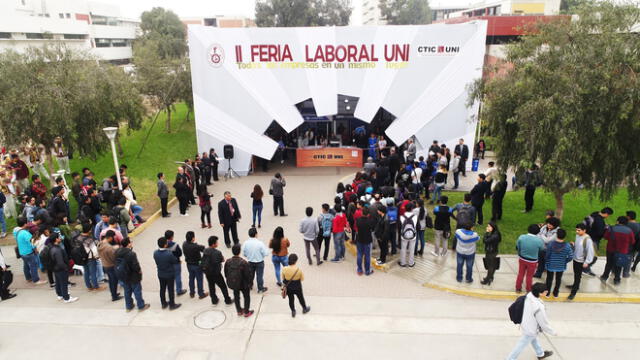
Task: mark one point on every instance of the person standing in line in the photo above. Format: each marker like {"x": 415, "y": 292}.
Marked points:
{"x": 27, "y": 252}
{"x": 619, "y": 239}
{"x": 214, "y": 163}
{"x": 408, "y": 235}
{"x": 309, "y": 229}
{"x": 479, "y": 192}
{"x": 634, "y": 252}
{"x": 206, "y": 164}
{"x": 255, "y": 251}
{"x": 596, "y": 227}
{"x": 174, "y": 248}
{"x": 277, "y": 190}
{"x": 338, "y": 228}
{"x": 130, "y": 275}
{"x": 212, "y": 260}
{"x": 364, "y": 239}
{"x": 280, "y": 246}
{"x": 163, "y": 194}
{"x": 59, "y": 151}
{"x": 204, "y": 201}
{"x": 529, "y": 247}
{"x": 229, "y": 215}
{"x": 466, "y": 251}
{"x": 454, "y": 167}
{"x": 325, "y": 223}
{"x": 583, "y": 254}
{"x": 193, "y": 257}
{"x": 182, "y": 193}
{"x": 534, "y": 321}
{"x": 439, "y": 181}
{"x": 107, "y": 251}
{"x": 165, "y": 262}
{"x": 293, "y": 278}
{"x": 548, "y": 233}
{"x": 531, "y": 182}
{"x": 88, "y": 244}
{"x": 239, "y": 279}
{"x": 382, "y": 230}
{"x": 557, "y": 255}
{"x": 497, "y": 195}
{"x": 257, "y": 205}
{"x": 465, "y": 214}
{"x": 463, "y": 150}
{"x": 491, "y": 241}
{"x": 442, "y": 226}
{"x": 60, "y": 266}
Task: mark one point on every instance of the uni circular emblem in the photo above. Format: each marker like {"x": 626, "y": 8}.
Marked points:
{"x": 215, "y": 55}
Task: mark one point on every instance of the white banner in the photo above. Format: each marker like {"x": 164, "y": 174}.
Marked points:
{"x": 245, "y": 78}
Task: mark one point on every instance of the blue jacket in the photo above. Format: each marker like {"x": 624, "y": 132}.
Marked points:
{"x": 165, "y": 261}
{"x": 529, "y": 246}
{"x": 558, "y": 254}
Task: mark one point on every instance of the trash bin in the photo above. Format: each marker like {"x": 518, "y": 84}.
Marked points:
{"x": 475, "y": 164}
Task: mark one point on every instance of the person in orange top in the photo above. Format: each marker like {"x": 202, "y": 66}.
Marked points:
{"x": 280, "y": 246}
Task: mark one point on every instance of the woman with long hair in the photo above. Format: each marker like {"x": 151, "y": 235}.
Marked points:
{"x": 280, "y": 246}
{"x": 257, "y": 195}
{"x": 204, "y": 200}
{"x": 491, "y": 241}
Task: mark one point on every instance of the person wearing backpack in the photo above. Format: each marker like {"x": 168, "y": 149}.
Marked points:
{"x": 129, "y": 273}
{"x": 107, "y": 251}
{"x": 85, "y": 253}
{"x": 239, "y": 279}
{"x": 326, "y": 223}
{"x": 596, "y": 226}
{"x": 466, "y": 251}
{"x": 442, "y": 226}
{"x": 423, "y": 221}
{"x": 121, "y": 214}
{"x": 533, "y": 320}
{"x": 558, "y": 254}
{"x": 408, "y": 235}
{"x": 60, "y": 267}
{"x": 619, "y": 239}
{"x": 465, "y": 215}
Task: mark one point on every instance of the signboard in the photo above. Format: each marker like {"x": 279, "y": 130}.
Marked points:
{"x": 329, "y": 156}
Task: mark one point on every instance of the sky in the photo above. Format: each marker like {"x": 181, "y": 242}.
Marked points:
{"x": 246, "y": 8}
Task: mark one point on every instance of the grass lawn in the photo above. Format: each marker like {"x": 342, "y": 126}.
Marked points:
{"x": 514, "y": 222}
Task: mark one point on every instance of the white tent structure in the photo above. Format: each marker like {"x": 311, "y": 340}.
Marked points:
{"x": 245, "y": 78}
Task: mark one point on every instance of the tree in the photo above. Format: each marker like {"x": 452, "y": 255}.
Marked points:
{"x": 54, "y": 91}
{"x": 569, "y": 6}
{"x": 405, "y": 12}
{"x": 290, "y": 13}
{"x": 571, "y": 103}
{"x": 162, "y": 72}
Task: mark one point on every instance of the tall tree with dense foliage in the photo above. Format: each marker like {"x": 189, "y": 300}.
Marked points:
{"x": 571, "y": 103}
{"x": 56, "y": 91}
{"x": 405, "y": 12}
{"x": 162, "y": 71}
{"x": 290, "y": 13}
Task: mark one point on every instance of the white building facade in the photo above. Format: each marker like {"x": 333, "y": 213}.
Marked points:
{"x": 371, "y": 13}
{"x": 96, "y": 27}
{"x": 509, "y": 7}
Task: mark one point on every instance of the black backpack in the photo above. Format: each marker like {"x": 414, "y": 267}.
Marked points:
{"x": 45, "y": 257}
{"x": 122, "y": 270}
{"x": 115, "y": 212}
{"x": 408, "y": 228}
{"x": 79, "y": 255}
{"x": 517, "y": 309}
{"x": 464, "y": 217}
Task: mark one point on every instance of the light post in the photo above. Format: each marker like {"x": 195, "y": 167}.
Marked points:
{"x": 111, "y": 134}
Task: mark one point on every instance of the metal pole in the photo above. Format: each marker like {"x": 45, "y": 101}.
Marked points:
{"x": 115, "y": 162}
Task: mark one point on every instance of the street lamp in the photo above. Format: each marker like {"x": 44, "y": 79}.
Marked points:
{"x": 111, "y": 134}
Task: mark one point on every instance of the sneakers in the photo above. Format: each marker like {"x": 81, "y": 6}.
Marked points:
{"x": 264, "y": 289}
{"x": 444, "y": 252}
{"x": 334, "y": 260}
{"x": 369, "y": 273}
{"x": 41, "y": 282}
{"x": 589, "y": 272}
{"x": 60, "y": 298}
{"x": 248, "y": 313}
{"x": 545, "y": 355}
{"x": 434, "y": 253}
{"x": 380, "y": 262}
{"x": 184, "y": 214}
{"x": 3, "y": 235}
{"x": 571, "y": 296}
{"x": 293, "y": 313}
{"x": 70, "y": 300}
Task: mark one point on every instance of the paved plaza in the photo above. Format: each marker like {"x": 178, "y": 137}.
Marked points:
{"x": 389, "y": 315}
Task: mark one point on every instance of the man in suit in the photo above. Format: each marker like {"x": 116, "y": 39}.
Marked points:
{"x": 229, "y": 215}
{"x": 394, "y": 164}
{"x": 163, "y": 194}
{"x": 478, "y": 194}
{"x": 463, "y": 150}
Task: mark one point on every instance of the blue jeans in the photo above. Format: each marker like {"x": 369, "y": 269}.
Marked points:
{"x": 364, "y": 251}
{"x": 257, "y": 211}
{"x": 462, "y": 259}
{"x": 91, "y": 274}
{"x": 277, "y": 261}
{"x": 437, "y": 191}
{"x": 3, "y": 222}
{"x": 113, "y": 281}
{"x": 136, "y": 209}
{"x": 30, "y": 267}
{"x": 136, "y": 290}
{"x": 99, "y": 270}
{"x": 338, "y": 245}
{"x": 522, "y": 343}
{"x": 62, "y": 284}
{"x": 195, "y": 273}
{"x": 177, "y": 270}
{"x": 258, "y": 269}
{"x": 420, "y": 242}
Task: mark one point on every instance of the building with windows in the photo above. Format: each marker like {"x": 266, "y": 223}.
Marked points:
{"x": 220, "y": 21}
{"x": 96, "y": 27}
{"x": 509, "y": 7}
{"x": 371, "y": 13}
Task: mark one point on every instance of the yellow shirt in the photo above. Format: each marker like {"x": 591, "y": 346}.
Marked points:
{"x": 288, "y": 271}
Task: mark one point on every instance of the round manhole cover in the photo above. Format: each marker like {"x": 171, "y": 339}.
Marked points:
{"x": 210, "y": 320}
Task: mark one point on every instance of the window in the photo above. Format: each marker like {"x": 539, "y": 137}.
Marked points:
{"x": 118, "y": 42}
{"x": 35, "y": 35}
{"x": 102, "y": 43}
{"x": 74, "y": 36}
{"x": 5, "y": 35}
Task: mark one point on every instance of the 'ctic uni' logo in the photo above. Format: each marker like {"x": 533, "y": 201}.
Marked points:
{"x": 441, "y": 50}
{"x": 215, "y": 56}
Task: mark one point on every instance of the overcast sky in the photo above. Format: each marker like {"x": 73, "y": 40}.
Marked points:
{"x": 202, "y": 8}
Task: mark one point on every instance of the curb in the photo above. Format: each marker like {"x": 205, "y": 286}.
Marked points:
{"x": 156, "y": 215}
{"x": 510, "y": 295}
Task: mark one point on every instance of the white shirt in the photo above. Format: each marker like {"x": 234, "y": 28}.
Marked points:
{"x": 534, "y": 317}
{"x": 416, "y": 174}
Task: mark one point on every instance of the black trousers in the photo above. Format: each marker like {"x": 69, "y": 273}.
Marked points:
{"x": 463, "y": 166}
{"x": 167, "y": 285}
{"x": 213, "y": 280}
{"x": 214, "y": 171}
{"x": 234, "y": 233}
{"x": 183, "y": 204}
{"x": 205, "y": 215}
{"x": 611, "y": 265}
{"x": 492, "y": 263}
{"x": 326, "y": 241}
{"x": 541, "y": 262}
{"x": 278, "y": 205}
{"x": 558, "y": 275}
{"x": 577, "y": 276}
{"x": 296, "y": 293}
{"x": 529, "y": 192}
{"x": 207, "y": 175}
{"x": 496, "y": 209}
{"x": 163, "y": 206}
{"x": 4, "y": 284}
{"x": 384, "y": 247}
{"x": 479, "y": 214}
{"x": 247, "y": 300}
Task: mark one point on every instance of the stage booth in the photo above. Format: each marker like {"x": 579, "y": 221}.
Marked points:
{"x": 245, "y": 78}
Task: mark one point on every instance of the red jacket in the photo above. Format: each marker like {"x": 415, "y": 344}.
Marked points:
{"x": 621, "y": 240}
{"x": 21, "y": 169}
{"x": 339, "y": 223}
{"x": 356, "y": 216}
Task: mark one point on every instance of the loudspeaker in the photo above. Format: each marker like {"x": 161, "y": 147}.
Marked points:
{"x": 228, "y": 151}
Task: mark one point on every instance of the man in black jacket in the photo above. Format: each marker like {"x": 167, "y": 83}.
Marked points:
{"x": 497, "y": 195}
{"x": 212, "y": 260}
{"x": 463, "y": 150}
{"x": 239, "y": 279}
{"x": 192, "y": 256}
{"x": 229, "y": 215}
{"x": 58, "y": 207}
{"x": 596, "y": 227}
{"x": 165, "y": 262}
{"x": 394, "y": 165}
{"x": 127, "y": 260}
{"x": 60, "y": 268}
{"x": 478, "y": 194}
